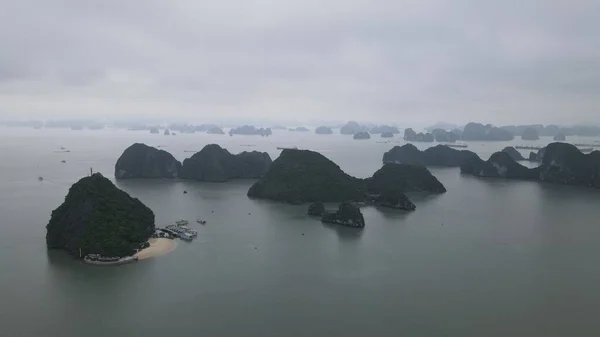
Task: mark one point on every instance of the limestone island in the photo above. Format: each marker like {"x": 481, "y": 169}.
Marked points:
{"x": 387, "y": 134}
{"x": 351, "y": 128}
{"x": 299, "y": 129}
{"x": 215, "y": 130}
{"x": 250, "y": 130}
{"x": 100, "y": 223}
{"x": 215, "y": 164}
{"x": 561, "y": 163}
{"x": 439, "y": 155}
{"x": 477, "y": 131}
{"x": 530, "y": 134}
{"x": 362, "y": 135}
{"x": 384, "y": 129}
{"x": 303, "y": 176}
{"x": 411, "y": 136}
{"x": 143, "y": 161}
{"x": 323, "y": 130}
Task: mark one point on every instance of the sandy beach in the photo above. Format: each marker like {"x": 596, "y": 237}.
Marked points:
{"x": 157, "y": 247}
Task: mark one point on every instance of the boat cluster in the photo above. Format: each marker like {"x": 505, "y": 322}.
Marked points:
{"x": 181, "y": 230}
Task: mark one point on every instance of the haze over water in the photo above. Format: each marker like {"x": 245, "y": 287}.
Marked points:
{"x": 487, "y": 258}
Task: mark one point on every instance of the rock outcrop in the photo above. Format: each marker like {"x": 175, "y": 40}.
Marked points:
{"x": 215, "y": 164}
{"x": 98, "y": 218}
{"x": 323, "y": 130}
{"x": 347, "y": 215}
{"x": 439, "y": 155}
{"x": 513, "y": 153}
{"x": 143, "y": 161}
{"x": 560, "y": 137}
{"x": 316, "y": 209}
{"x": 167, "y": 133}
{"x": 351, "y": 128}
{"x": 537, "y": 156}
{"x": 215, "y": 131}
{"x": 387, "y": 135}
{"x": 384, "y": 129}
{"x": 301, "y": 176}
{"x": 362, "y": 135}
{"x": 476, "y": 131}
{"x": 250, "y": 130}
{"x": 530, "y": 134}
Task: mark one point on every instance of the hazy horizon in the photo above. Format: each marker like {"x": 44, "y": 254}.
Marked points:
{"x": 410, "y": 63}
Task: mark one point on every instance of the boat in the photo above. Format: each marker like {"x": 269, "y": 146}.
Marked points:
{"x": 456, "y": 145}
{"x": 182, "y": 222}
{"x": 40, "y": 178}
{"x": 528, "y": 147}
{"x": 63, "y": 161}
{"x": 287, "y": 148}
{"x": 201, "y": 221}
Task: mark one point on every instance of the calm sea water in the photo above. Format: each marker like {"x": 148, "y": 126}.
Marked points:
{"x": 488, "y": 258}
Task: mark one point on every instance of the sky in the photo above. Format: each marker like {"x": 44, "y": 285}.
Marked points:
{"x": 393, "y": 61}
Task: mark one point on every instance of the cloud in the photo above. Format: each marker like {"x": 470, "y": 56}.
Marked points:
{"x": 381, "y": 60}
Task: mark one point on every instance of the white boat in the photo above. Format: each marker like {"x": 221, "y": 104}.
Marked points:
{"x": 182, "y": 222}
{"x": 201, "y": 221}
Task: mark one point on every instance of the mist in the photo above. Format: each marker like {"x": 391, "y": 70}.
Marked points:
{"x": 288, "y": 61}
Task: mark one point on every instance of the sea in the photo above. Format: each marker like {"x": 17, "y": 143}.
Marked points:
{"x": 489, "y": 258}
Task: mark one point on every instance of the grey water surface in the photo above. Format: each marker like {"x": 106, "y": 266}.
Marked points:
{"x": 487, "y": 258}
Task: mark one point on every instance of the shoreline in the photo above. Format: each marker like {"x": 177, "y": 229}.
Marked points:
{"x": 158, "y": 247}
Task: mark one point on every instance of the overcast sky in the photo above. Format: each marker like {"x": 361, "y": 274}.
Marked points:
{"x": 421, "y": 61}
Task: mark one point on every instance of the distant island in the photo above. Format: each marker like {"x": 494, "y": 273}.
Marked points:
{"x": 250, "y": 130}
{"x": 443, "y": 136}
{"x": 352, "y": 127}
{"x": 323, "y": 130}
{"x": 384, "y": 129}
{"x": 98, "y": 218}
{"x": 347, "y": 215}
{"x": 303, "y": 176}
{"x": 439, "y": 155}
{"x": 299, "y": 129}
{"x": 530, "y": 134}
{"x": 215, "y": 164}
{"x": 480, "y": 132}
{"x": 362, "y": 135}
{"x": 411, "y": 136}
{"x": 387, "y": 134}
{"x": 143, "y": 161}
{"x": 212, "y": 163}
{"x": 215, "y": 130}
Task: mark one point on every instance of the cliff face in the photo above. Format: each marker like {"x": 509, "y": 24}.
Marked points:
{"x": 143, "y": 161}
{"x": 97, "y": 217}
{"x": 216, "y": 164}
{"x": 351, "y": 128}
{"x": 530, "y": 134}
{"x": 439, "y": 155}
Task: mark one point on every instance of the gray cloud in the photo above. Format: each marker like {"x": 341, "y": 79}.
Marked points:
{"x": 381, "y": 60}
